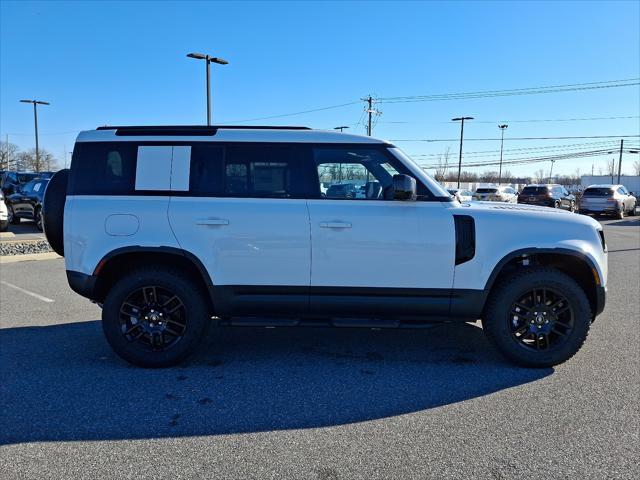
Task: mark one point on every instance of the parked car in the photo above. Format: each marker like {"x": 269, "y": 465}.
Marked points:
{"x": 548, "y": 195}
{"x": 342, "y": 190}
{"x": 11, "y": 180}
{"x": 461, "y": 194}
{"x": 26, "y": 202}
{"x": 609, "y": 200}
{"x": 155, "y": 233}
{"x": 4, "y": 214}
{"x": 496, "y": 194}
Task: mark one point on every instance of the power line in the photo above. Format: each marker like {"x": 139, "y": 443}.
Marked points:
{"x": 294, "y": 113}
{"x": 525, "y": 121}
{"x": 509, "y": 139}
{"x": 512, "y": 92}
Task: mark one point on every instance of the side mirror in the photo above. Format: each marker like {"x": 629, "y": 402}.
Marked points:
{"x": 404, "y": 187}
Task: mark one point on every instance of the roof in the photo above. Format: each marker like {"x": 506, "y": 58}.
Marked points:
{"x": 222, "y": 133}
{"x": 605, "y": 185}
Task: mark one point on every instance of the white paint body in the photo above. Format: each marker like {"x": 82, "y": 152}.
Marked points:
{"x": 311, "y": 242}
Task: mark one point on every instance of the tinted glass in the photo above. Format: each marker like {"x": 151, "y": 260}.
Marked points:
{"x": 259, "y": 171}
{"x": 598, "y": 192}
{"x": 103, "y": 168}
{"x": 207, "y": 170}
{"x": 486, "y": 190}
{"x": 270, "y": 171}
{"x": 535, "y": 190}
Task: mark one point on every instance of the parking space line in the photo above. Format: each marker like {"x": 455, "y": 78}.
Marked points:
{"x": 27, "y": 292}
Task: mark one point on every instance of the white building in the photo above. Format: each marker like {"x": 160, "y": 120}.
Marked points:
{"x": 631, "y": 182}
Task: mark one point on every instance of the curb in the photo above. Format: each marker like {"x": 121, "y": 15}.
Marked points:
{"x": 28, "y": 257}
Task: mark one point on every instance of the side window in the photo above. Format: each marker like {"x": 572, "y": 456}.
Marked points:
{"x": 103, "y": 168}
{"x": 268, "y": 171}
{"x": 621, "y": 191}
{"x": 206, "y": 176}
{"x": 354, "y": 173}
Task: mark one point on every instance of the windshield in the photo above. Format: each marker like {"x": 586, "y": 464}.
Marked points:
{"x": 486, "y": 190}
{"x": 598, "y": 192}
{"x": 535, "y": 190}
{"x": 435, "y": 188}
{"x": 25, "y": 177}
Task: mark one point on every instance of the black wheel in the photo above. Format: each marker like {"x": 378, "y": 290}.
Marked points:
{"x": 621, "y": 212}
{"x": 13, "y": 219}
{"x": 538, "y": 317}
{"x": 4, "y": 225}
{"x": 38, "y": 218}
{"x": 572, "y": 206}
{"x": 155, "y": 317}
{"x": 556, "y": 204}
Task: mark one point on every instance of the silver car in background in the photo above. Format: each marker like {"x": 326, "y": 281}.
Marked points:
{"x": 607, "y": 200}
{"x": 496, "y": 194}
{"x": 461, "y": 194}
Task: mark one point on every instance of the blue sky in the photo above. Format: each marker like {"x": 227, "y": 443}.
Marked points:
{"x": 124, "y": 63}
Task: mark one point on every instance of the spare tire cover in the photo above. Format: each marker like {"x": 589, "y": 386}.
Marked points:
{"x": 53, "y": 210}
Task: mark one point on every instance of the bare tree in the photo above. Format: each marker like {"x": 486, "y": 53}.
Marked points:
{"x": 8, "y": 155}
{"x": 443, "y": 165}
{"x": 28, "y": 161}
{"x": 611, "y": 167}
{"x": 539, "y": 175}
{"x": 636, "y": 167}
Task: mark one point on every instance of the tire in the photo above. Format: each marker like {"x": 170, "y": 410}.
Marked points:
{"x": 620, "y": 214}
{"x": 572, "y": 207}
{"x": 191, "y": 323}
{"x": 38, "y": 218}
{"x": 556, "y": 205}
{"x": 501, "y": 322}
{"x": 53, "y": 202}
{"x": 13, "y": 220}
{"x": 4, "y": 225}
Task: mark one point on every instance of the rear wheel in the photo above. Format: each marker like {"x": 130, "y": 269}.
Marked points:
{"x": 155, "y": 317}
{"x": 538, "y": 317}
{"x": 38, "y": 218}
{"x": 621, "y": 212}
{"x": 13, "y": 219}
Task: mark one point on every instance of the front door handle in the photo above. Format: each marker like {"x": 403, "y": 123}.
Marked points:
{"x": 212, "y": 221}
{"x": 335, "y": 224}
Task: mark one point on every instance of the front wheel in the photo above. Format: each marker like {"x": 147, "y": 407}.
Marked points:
{"x": 538, "y": 317}
{"x": 4, "y": 225}
{"x": 621, "y": 212}
{"x": 13, "y": 219}
{"x": 155, "y": 317}
{"x": 38, "y": 219}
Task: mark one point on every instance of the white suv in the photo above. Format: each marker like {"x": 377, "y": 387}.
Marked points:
{"x": 172, "y": 229}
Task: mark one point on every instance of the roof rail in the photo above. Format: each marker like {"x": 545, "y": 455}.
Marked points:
{"x": 188, "y": 130}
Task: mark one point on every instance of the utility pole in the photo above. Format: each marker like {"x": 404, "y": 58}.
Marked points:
{"x": 370, "y": 112}
{"x": 592, "y": 165}
{"x": 208, "y": 60}
{"x": 619, "y": 161}
{"x": 551, "y": 171}
{"x": 502, "y": 129}
{"x": 461, "y": 120}
{"x": 35, "y": 120}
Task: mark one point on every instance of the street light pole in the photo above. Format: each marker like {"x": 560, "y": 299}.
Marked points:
{"x": 620, "y": 159}
{"x": 502, "y": 129}
{"x": 208, "y": 59}
{"x": 551, "y": 171}
{"x": 35, "y": 121}
{"x": 461, "y": 120}
{"x": 340, "y": 128}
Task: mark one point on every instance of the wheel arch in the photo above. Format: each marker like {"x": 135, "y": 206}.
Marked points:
{"x": 115, "y": 264}
{"x": 575, "y": 264}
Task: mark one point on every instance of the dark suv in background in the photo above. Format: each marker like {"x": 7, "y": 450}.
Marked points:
{"x": 9, "y": 181}
{"x": 26, "y": 202}
{"x": 551, "y": 195}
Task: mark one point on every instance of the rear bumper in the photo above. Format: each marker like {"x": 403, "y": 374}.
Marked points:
{"x": 82, "y": 284}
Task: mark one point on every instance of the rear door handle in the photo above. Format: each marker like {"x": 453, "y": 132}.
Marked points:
{"x": 335, "y": 224}
{"x": 212, "y": 221}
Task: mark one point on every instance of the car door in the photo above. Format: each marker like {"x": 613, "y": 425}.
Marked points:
{"x": 245, "y": 219}
{"x": 33, "y": 198}
{"x": 375, "y": 255}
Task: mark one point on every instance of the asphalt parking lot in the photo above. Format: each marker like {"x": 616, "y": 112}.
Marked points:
{"x": 314, "y": 403}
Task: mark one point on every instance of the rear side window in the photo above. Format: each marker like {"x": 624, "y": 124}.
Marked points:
{"x": 103, "y": 168}
{"x": 257, "y": 171}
